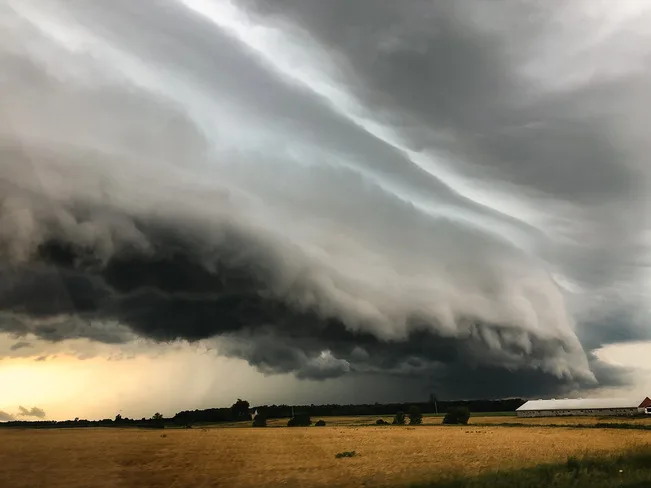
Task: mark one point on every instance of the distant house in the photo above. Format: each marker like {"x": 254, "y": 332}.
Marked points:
{"x": 584, "y": 406}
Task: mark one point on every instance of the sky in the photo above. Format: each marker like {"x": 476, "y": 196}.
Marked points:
{"x": 303, "y": 202}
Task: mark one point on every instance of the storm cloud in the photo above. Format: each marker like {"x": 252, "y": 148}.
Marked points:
{"x": 20, "y": 345}
{"x": 452, "y": 191}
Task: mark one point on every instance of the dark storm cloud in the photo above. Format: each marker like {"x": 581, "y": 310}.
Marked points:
{"x": 20, "y": 345}
{"x": 174, "y": 290}
{"x": 429, "y": 66}
{"x": 331, "y": 188}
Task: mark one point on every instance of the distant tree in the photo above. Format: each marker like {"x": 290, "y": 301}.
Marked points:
{"x": 118, "y": 418}
{"x": 399, "y": 418}
{"x": 320, "y": 423}
{"x": 76, "y": 419}
{"x": 240, "y": 410}
{"x": 415, "y": 417}
{"x": 260, "y": 420}
{"x": 157, "y": 416}
{"x": 457, "y": 415}
{"x": 300, "y": 420}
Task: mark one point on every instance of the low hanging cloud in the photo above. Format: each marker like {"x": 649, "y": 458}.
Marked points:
{"x": 36, "y": 412}
{"x": 428, "y": 194}
{"x": 20, "y": 345}
{"x": 6, "y": 417}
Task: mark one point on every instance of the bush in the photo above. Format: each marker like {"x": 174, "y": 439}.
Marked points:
{"x": 320, "y": 423}
{"x": 457, "y": 416}
{"x": 381, "y": 422}
{"x": 345, "y": 454}
{"x": 260, "y": 420}
{"x": 415, "y": 417}
{"x": 399, "y": 419}
{"x": 300, "y": 420}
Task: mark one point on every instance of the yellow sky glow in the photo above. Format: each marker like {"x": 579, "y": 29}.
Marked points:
{"x": 184, "y": 377}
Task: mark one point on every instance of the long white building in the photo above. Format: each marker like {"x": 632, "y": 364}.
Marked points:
{"x": 584, "y": 406}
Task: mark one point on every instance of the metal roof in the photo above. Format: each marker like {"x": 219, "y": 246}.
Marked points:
{"x": 581, "y": 403}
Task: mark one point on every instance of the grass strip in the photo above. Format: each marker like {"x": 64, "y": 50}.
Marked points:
{"x": 631, "y": 469}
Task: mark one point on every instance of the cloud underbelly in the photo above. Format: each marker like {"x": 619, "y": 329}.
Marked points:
{"x": 404, "y": 201}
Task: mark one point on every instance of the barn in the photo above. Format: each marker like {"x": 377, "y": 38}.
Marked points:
{"x": 584, "y": 406}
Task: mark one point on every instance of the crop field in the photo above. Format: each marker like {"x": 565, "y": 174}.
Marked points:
{"x": 290, "y": 457}
{"x": 562, "y": 420}
{"x": 483, "y": 420}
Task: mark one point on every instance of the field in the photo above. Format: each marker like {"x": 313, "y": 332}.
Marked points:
{"x": 486, "y": 420}
{"x": 296, "y": 457}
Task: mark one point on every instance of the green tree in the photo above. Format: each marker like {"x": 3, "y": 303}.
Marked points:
{"x": 300, "y": 420}
{"x": 158, "y": 417}
{"x": 399, "y": 418}
{"x": 260, "y": 420}
{"x": 240, "y": 410}
{"x": 415, "y": 417}
{"x": 457, "y": 415}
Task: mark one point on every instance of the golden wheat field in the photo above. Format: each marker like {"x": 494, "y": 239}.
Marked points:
{"x": 483, "y": 420}
{"x": 560, "y": 420}
{"x": 286, "y": 457}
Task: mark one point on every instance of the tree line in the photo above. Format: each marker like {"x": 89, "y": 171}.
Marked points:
{"x": 156, "y": 421}
{"x": 242, "y": 411}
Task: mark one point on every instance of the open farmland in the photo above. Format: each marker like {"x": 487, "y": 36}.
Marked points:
{"x": 579, "y": 420}
{"x": 483, "y": 420}
{"x": 247, "y": 457}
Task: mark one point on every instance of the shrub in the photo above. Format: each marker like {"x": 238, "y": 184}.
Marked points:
{"x": 345, "y": 454}
{"x": 457, "y": 415}
{"x": 415, "y": 417}
{"x": 320, "y": 423}
{"x": 300, "y": 420}
{"x": 260, "y": 420}
{"x": 381, "y": 422}
{"x": 399, "y": 419}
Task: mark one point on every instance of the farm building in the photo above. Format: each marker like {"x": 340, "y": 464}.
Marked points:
{"x": 584, "y": 406}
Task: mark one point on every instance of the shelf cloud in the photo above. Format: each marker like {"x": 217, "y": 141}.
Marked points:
{"x": 450, "y": 191}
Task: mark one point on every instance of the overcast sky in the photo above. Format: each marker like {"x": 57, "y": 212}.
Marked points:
{"x": 311, "y": 201}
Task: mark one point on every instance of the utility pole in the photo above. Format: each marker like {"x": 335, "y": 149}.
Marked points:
{"x": 432, "y": 399}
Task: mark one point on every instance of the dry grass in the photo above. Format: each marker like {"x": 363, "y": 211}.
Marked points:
{"x": 304, "y": 457}
{"x": 562, "y": 420}
{"x": 481, "y": 420}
